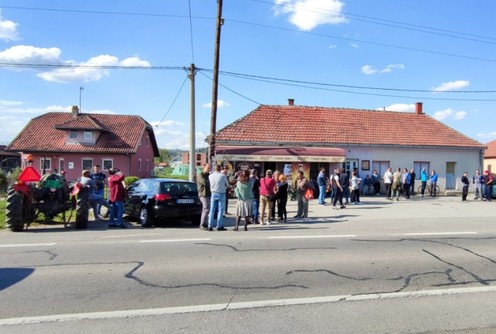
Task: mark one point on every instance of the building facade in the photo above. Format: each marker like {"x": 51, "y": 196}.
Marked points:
{"x": 361, "y": 140}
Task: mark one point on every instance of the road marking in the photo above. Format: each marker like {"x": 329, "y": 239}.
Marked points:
{"x": 174, "y": 240}
{"x": 313, "y": 236}
{"x": 27, "y": 245}
{"x": 439, "y": 233}
{"x": 129, "y": 235}
{"x": 238, "y": 306}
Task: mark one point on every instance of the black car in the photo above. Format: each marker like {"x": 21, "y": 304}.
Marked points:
{"x": 159, "y": 200}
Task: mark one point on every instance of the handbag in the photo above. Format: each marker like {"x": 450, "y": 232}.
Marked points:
{"x": 309, "y": 194}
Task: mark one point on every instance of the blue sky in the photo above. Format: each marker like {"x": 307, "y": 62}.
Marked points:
{"x": 131, "y": 57}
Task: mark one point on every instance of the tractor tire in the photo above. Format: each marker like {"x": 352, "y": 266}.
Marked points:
{"x": 82, "y": 209}
{"x": 14, "y": 213}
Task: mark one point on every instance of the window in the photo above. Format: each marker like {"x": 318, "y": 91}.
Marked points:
{"x": 73, "y": 134}
{"x": 45, "y": 164}
{"x": 87, "y": 164}
{"x": 61, "y": 165}
{"x": 147, "y": 164}
{"x": 107, "y": 164}
{"x": 380, "y": 167}
{"x": 88, "y": 135}
{"x": 147, "y": 141}
{"x": 418, "y": 166}
{"x": 139, "y": 165}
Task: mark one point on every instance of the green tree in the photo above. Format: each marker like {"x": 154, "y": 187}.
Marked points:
{"x": 164, "y": 156}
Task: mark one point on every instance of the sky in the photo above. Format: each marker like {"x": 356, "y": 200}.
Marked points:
{"x": 133, "y": 57}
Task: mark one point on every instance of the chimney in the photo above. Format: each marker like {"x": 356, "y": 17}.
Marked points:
{"x": 418, "y": 108}
{"x": 75, "y": 111}
{"x": 291, "y": 102}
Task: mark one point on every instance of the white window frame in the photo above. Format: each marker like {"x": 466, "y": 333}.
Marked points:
{"x": 43, "y": 163}
{"x": 139, "y": 165}
{"x": 88, "y": 135}
{"x": 73, "y": 134}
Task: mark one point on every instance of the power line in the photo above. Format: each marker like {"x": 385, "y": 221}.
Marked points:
{"x": 402, "y": 25}
{"x": 251, "y": 76}
{"x": 232, "y": 90}
{"x": 173, "y": 101}
{"x": 283, "y": 81}
{"x": 366, "y": 42}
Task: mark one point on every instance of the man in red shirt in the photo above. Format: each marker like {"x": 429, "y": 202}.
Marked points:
{"x": 117, "y": 193}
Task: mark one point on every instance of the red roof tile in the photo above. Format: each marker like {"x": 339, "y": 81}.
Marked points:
{"x": 490, "y": 150}
{"x": 303, "y": 125}
{"x": 48, "y": 133}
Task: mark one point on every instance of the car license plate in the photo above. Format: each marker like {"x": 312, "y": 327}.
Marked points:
{"x": 185, "y": 201}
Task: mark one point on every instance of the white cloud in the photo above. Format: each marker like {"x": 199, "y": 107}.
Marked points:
{"x": 452, "y": 85}
{"x": 308, "y": 14}
{"x": 220, "y": 104}
{"x": 25, "y": 54}
{"x": 448, "y": 114}
{"x": 333, "y": 46}
{"x": 369, "y": 69}
{"x": 399, "y": 107}
{"x": 8, "y": 29}
{"x": 90, "y": 70}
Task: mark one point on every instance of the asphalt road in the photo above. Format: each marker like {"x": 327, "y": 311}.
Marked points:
{"x": 416, "y": 266}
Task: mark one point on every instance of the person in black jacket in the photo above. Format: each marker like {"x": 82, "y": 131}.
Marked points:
{"x": 465, "y": 183}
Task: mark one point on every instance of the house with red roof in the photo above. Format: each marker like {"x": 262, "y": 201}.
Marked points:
{"x": 490, "y": 156}
{"x": 75, "y": 141}
{"x": 290, "y": 138}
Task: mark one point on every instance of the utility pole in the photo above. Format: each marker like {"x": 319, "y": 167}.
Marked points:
{"x": 215, "y": 85}
{"x": 192, "y": 149}
{"x": 80, "y": 93}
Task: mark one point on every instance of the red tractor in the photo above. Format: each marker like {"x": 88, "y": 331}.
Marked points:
{"x": 50, "y": 195}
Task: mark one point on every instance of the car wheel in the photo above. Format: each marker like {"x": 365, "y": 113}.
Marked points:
{"x": 145, "y": 219}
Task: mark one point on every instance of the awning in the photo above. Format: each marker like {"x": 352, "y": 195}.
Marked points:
{"x": 280, "y": 154}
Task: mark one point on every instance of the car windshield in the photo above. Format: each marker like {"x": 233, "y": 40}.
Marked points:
{"x": 178, "y": 187}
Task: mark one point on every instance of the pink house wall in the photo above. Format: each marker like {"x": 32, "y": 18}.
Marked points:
{"x": 129, "y": 164}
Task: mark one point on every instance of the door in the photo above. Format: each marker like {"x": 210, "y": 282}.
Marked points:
{"x": 450, "y": 175}
{"x": 350, "y": 165}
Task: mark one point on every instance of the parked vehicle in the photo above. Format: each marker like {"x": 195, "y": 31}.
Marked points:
{"x": 49, "y": 195}
{"x": 153, "y": 201}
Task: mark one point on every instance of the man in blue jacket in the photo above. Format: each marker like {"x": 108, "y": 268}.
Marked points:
{"x": 433, "y": 183}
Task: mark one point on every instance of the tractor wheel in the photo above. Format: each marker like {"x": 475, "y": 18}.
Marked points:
{"x": 82, "y": 208}
{"x": 14, "y": 213}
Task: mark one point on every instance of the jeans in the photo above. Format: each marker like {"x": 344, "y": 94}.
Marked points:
{"x": 217, "y": 204}
{"x": 116, "y": 212}
{"x": 255, "y": 210}
{"x": 99, "y": 192}
{"x": 96, "y": 202}
{"x": 322, "y": 192}
{"x": 205, "y": 210}
{"x": 488, "y": 191}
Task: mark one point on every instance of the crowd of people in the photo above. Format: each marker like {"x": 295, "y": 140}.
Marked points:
{"x": 260, "y": 200}
{"x": 116, "y": 192}
{"x": 263, "y": 200}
